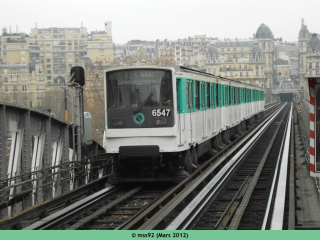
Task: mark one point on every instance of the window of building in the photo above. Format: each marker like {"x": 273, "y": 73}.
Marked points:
{"x": 247, "y": 74}
{"x": 228, "y": 49}
{"x": 15, "y": 88}
{"x": 245, "y": 66}
{"x": 231, "y": 74}
{"x": 5, "y": 79}
{"x": 14, "y": 79}
{"x": 42, "y": 60}
{"x": 225, "y": 74}
{"x": 241, "y": 74}
{"x": 6, "y": 97}
{"x": 24, "y": 96}
{"x": 23, "y": 70}
{"x": 239, "y": 66}
{"x": 76, "y": 60}
{"x": 23, "y": 79}
{"x": 15, "y": 96}
{"x": 224, "y": 67}
{"x": 48, "y": 66}
{"x": 48, "y": 71}
{"x": 24, "y": 87}
{"x": 6, "y": 88}
{"x": 48, "y": 60}
{"x": 234, "y": 50}
{"x": 101, "y": 51}
{"x": 14, "y": 71}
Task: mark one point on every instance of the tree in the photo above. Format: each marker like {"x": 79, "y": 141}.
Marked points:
{"x": 94, "y": 102}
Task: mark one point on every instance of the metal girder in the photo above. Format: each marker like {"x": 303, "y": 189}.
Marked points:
{"x": 3, "y": 157}
{"x": 39, "y": 165}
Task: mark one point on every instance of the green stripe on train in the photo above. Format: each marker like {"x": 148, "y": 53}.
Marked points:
{"x": 195, "y": 95}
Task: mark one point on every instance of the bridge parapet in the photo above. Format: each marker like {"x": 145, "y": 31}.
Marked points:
{"x": 294, "y": 89}
{"x": 37, "y": 160}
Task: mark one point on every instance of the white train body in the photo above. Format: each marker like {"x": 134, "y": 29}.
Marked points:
{"x": 201, "y": 107}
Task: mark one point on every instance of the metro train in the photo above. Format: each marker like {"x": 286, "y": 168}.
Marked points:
{"x": 161, "y": 119}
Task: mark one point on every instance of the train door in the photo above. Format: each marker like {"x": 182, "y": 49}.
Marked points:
{"x": 190, "y": 108}
{"x": 203, "y": 108}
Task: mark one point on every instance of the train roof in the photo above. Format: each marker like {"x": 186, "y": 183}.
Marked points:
{"x": 179, "y": 68}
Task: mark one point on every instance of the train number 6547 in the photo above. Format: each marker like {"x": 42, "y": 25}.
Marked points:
{"x": 160, "y": 112}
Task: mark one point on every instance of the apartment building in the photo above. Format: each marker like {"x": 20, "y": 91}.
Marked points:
{"x": 246, "y": 60}
{"x": 100, "y": 45}
{"x": 19, "y": 85}
{"x": 309, "y": 56}
{"x": 14, "y": 47}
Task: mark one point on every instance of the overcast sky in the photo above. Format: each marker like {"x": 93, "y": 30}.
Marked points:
{"x": 165, "y": 19}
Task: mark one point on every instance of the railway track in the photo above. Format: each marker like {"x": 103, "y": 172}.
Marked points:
{"x": 137, "y": 207}
{"x": 107, "y": 209}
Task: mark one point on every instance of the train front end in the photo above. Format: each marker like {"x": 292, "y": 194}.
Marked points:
{"x": 140, "y": 123}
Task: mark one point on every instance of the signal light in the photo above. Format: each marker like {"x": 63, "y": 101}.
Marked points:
{"x": 78, "y": 76}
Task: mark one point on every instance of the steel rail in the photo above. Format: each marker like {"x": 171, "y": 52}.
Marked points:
{"x": 49, "y": 221}
{"x": 279, "y": 205}
{"x": 264, "y": 223}
{"x": 122, "y": 225}
{"x": 292, "y": 205}
{"x": 232, "y": 207}
{"x": 240, "y": 211}
{"x": 207, "y": 192}
{"x": 102, "y": 210}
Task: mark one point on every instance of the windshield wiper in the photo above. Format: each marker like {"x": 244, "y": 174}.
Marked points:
{"x": 144, "y": 102}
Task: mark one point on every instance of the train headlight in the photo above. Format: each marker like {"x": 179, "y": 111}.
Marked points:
{"x": 161, "y": 121}
{"x": 118, "y": 122}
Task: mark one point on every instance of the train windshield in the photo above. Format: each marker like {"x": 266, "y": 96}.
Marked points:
{"x": 139, "y": 88}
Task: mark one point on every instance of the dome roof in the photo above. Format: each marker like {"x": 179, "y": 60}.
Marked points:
{"x": 212, "y": 50}
{"x": 304, "y": 30}
{"x": 264, "y": 32}
{"x": 256, "y": 48}
{"x": 314, "y": 42}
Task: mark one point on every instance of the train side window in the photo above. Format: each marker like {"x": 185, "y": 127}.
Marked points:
{"x": 243, "y": 95}
{"x": 212, "y": 95}
{"x": 217, "y": 95}
{"x": 187, "y": 96}
{"x": 191, "y": 86}
{"x": 208, "y": 96}
{"x": 236, "y": 96}
{"x": 197, "y": 90}
{"x": 203, "y": 96}
{"x": 177, "y": 95}
{"x": 226, "y": 95}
